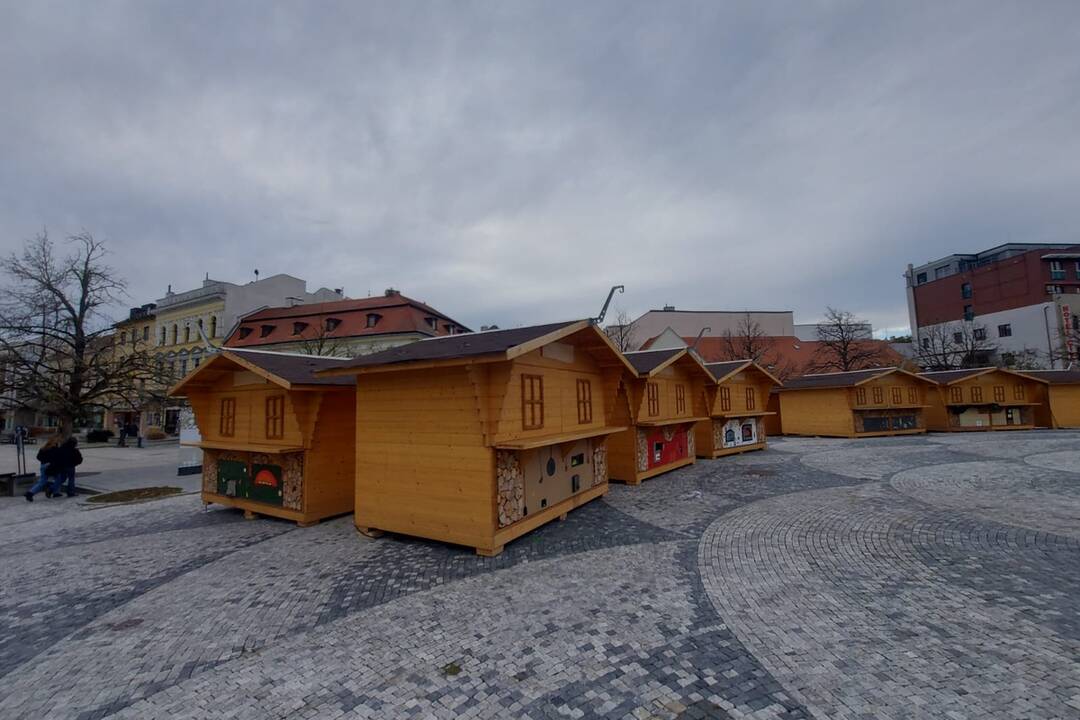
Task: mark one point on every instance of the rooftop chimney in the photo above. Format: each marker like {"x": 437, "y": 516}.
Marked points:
{"x": 669, "y": 308}
{"x": 390, "y": 292}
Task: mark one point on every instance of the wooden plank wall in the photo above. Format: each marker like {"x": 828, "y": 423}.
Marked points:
{"x": 817, "y": 412}
{"x": 330, "y": 464}
{"x": 250, "y": 423}
{"x": 1065, "y": 405}
{"x": 422, "y": 466}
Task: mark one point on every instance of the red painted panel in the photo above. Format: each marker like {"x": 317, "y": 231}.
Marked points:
{"x": 673, "y": 444}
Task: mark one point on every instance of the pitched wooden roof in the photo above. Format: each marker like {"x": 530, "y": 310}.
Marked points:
{"x": 722, "y": 370}
{"x": 649, "y": 362}
{"x": 502, "y": 344}
{"x": 285, "y": 369}
{"x": 1056, "y": 377}
{"x": 948, "y": 377}
{"x": 850, "y": 378}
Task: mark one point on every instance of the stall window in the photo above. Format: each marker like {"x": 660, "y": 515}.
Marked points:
{"x": 751, "y": 398}
{"x": 860, "y": 396}
{"x": 897, "y": 396}
{"x": 653, "y": 395}
{"x": 976, "y": 394}
{"x": 999, "y": 393}
{"x": 275, "y": 417}
{"x": 879, "y": 396}
{"x": 913, "y": 395}
{"x": 532, "y": 402}
{"x": 584, "y": 402}
{"x": 228, "y": 417}
{"x": 680, "y": 399}
{"x": 956, "y": 394}
{"x": 725, "y": 398}
{"x": 1018, "y": 392}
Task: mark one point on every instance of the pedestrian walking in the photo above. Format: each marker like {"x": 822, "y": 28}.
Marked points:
{"x": 49, "y": 456}
{"x": 68, "y": 459}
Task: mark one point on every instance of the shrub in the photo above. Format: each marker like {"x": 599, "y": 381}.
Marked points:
{"x": 154, "y": 433}
{"x": 99, "y": 435}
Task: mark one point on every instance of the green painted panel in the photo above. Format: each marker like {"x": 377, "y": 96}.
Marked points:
{"x": 266, "y": 485}
{"x": 232, "y": 478}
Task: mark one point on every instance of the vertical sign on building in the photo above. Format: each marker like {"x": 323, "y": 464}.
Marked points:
{"x": 1066, "y": 324}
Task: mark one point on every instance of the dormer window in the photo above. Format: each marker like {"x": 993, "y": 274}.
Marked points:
{"x": 449, "y": 328}
{"x": 299, "y": 327}
{"x": 332, "y": 324}
{"x": 265, "y": 330}
{"x": 433, "y": 322}
{"x": 244, "y": 332}
{"x": 373, "y": 319}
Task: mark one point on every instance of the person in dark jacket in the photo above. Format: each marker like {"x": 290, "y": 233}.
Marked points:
{"x": 68, "y": 458}
{"x": 49, "y": 456}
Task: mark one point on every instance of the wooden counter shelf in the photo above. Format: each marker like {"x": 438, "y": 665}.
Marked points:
{"x": 554, "y": 439}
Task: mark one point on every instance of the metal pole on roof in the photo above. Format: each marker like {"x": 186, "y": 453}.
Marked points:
{"x": 603, "y": 311}
{"x": 698, "y": 338}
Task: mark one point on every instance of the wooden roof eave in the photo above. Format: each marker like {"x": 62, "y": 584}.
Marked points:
{"x": 750, "y": 363}
{"x": 893, "y": 371}
{"x": 544, "y": 441}
{"x": 414, "y": 365}
{"x": 216, "y": 360}
{"x": 555, "y": 336}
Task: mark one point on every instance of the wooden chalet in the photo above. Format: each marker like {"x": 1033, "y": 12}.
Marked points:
{"x": 276, "y": 439}
{"x": 662, "y": 399}
{"x": 858, "y": 403}
{"x": 983, "y": 399}
{"x": 1059, "y": 405}
{"x": 738, "y": 406}
{"x": 477, "y": 439}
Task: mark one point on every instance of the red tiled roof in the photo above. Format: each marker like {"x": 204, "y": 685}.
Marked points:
{"x": 784, "y": 355}
{"x": 397, "y": 314}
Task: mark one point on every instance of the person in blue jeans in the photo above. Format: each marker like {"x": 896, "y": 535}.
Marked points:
{"x": 50, "y": 455}
{"x": 68, "y": 459}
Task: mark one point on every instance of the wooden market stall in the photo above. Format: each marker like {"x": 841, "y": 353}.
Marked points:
{"x": 477, "y": 439}
{"x": 738, "y": 406}
{"x": 1059, "y": 401}
{"x": 858, "y": 403}
{"x": 983, "y": 399}
{"x": 276, "y": 439}
{"x": 664, "y": 397}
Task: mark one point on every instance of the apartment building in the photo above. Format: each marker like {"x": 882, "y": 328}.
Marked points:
{"x": 1018, "y": 300}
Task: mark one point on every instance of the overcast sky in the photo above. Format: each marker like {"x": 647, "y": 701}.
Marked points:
{"x": 508, "y": 162}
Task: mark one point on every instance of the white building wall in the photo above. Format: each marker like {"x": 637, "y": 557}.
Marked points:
{"x": 688, "y": 323}
{"x": 1034, "y": 327}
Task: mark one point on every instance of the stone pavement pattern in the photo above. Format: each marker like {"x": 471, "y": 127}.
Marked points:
{"x": 891, "y": 578}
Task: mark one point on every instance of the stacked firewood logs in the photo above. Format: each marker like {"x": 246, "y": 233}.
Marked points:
{"x": 511, "y": 484}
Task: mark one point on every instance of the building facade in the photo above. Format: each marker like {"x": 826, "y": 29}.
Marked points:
{"x": 1015, "y": 304}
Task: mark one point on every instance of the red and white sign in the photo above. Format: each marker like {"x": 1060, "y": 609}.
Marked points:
{"x": 1066, "y": 324}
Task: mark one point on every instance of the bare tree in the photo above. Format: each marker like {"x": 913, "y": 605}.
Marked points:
{"x": 843, "y": 345}
{"x": 322, "y": 343}
{"x": 953, "y": 346}
{"x": 62, "y": 356}
{"x": 622, "y": 331}
{"x": 747, "y": 342}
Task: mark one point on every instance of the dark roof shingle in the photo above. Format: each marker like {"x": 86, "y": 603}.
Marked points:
{"x": 648, "y": 360}
{"x": 834, "y": 380}
{"x": 295, "y": 369}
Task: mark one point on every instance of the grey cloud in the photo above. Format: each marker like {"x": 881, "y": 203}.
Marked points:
{"x": 509, "y": 161}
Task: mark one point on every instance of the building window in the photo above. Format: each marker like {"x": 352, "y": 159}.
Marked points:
{"x": 680, "y": 399}
{"x": 999, "y": 393}
{"x": 751, "y": 398}
{"x": 123, "y": 337}
{"x": 433, "y": 322}
{"x": 183, "y": 366}
{"x": 897, "y": 396}
{"x": 969, "y": 313}
{"x": 162, "y": 337}
{"x": 1018, "y": 392}
{"x": 926, "y": 343}
{"x": 913, "y": 396}
{"x": 275, "y": 417}
{"x": 725, "y": 399}
{"x": 584, "y": 402}
{"x": 879, "y": 396}
{"x": 1078, "y": 269}
{"x": 332, "y": 324}
{"x": 228, "y": 417}
{"x": 532, "y": 402}
{"x": 265, "y": 330}
{"x": 958, "y": 337}
{"x": 652, "y": 391}
{"x": 244, "y": 332}
{"x": 965, "y": 291}
{"x": 373, "y": 319}
{"x": 1057, "y": 272}
{"x": 213, "y": 326}
{"x": 956, "y": 394}
{"x": 860, "y": 396}
{"x": 976, "y": 394}
{"x": 941, "y": 272}
{"x": 1054, "y": 290}
{"x": 299, "y": 327}
{"x": 920, "y": 278}
{"x": 1005, "y": 330}
{"x": 979, "y": 333}
{"x": 146, "y": 333}
{"x": 187, "y": 333}
{"x": 175, "y": 334}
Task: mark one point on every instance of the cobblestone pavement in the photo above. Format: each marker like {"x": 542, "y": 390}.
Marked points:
{"x": 914, "y": 577}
